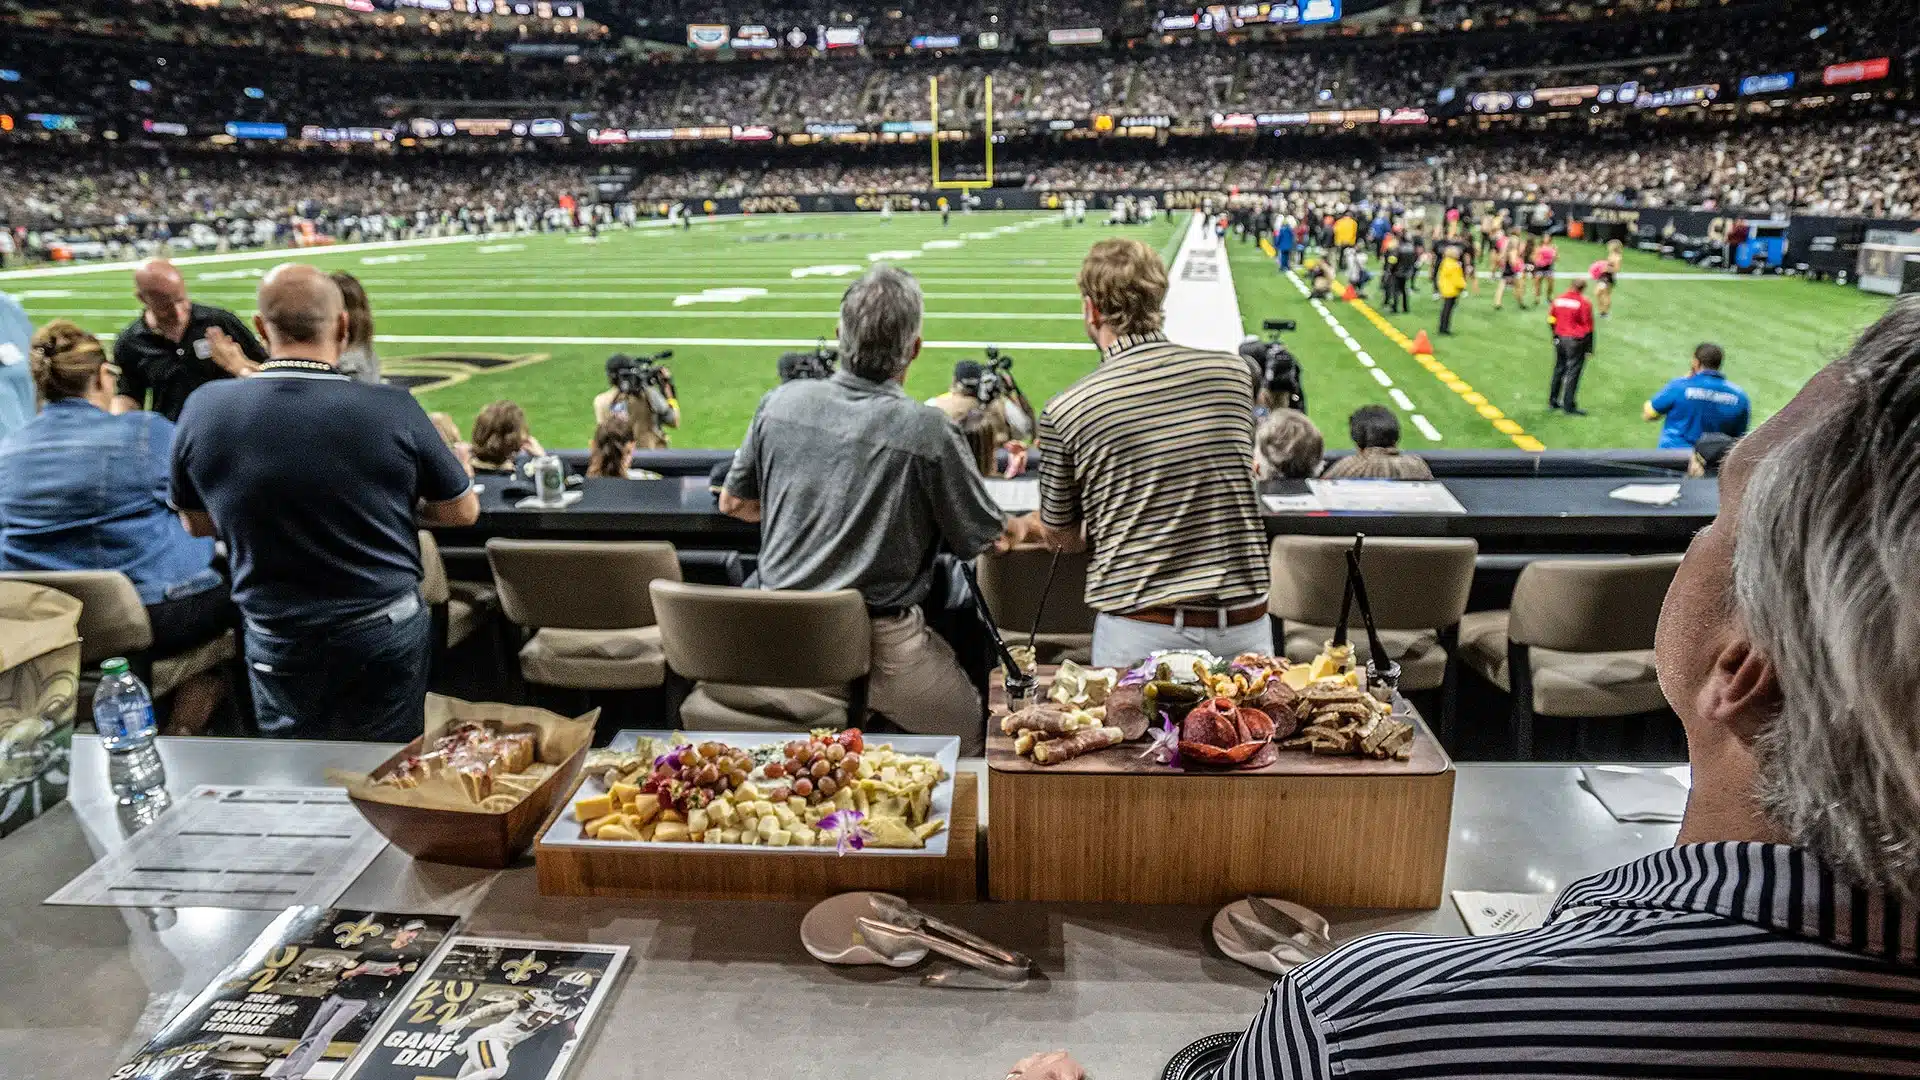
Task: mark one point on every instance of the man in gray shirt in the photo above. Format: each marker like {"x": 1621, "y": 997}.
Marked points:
{"x": 854, "y": 485}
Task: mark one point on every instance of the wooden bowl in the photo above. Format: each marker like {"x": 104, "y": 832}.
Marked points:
{"x": 488, "y": 840}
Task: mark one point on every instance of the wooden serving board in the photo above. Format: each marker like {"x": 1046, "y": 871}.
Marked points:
{"x": 697, "y": 872}
{"x": 1322, "y": 831}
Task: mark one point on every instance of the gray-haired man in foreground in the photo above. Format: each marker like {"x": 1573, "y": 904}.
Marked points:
{"x": 854, "y": 485}
{"x": 1779, "y": 936}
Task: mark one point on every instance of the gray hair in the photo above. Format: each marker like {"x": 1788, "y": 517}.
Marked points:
{"x": 879, "y": 318}
{"x": 1826, "y": 579}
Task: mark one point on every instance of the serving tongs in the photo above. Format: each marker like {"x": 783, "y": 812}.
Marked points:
{"x": 1383, "y": 675}
{"x": 1020, "y": 682}
{"x": 892, "y": 934}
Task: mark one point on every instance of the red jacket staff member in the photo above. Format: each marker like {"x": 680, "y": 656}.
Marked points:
{"x": 1572, "y": 319}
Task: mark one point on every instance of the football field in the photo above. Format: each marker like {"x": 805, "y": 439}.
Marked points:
{"x": 533, "y": 318}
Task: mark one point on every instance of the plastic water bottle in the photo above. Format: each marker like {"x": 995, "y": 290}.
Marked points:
{"x": 123, "y": 715}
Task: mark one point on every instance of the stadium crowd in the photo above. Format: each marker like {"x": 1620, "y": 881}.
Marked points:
{"x": 111, "y": 70}
{"x": 1869, "y": 168}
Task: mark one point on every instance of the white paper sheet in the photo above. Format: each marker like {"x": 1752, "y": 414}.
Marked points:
{"x": 1015, "y": 496}
{"x": 1488, "y": 913}
{"x": 1639, "y": 795}
{"x": 1386, "y": 496}
{"x": 256, "y": 848}
{"x": 1304, "y": 503}
{"x": 1647, "y": 494}
{"x": 567, "y": 498}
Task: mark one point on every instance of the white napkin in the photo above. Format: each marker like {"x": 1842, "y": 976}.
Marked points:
{"x": 1647, "y": 494}
{"x": 1488, "y": 913}
{"x": 567, "y": 498}
{"x": 1637, "y": 795}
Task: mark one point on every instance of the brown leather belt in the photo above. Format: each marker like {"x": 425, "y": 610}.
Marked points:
{"x": 1201, "y": 618}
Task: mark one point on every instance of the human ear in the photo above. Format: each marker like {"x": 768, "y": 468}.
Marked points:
{"x": 1742, "y": 692}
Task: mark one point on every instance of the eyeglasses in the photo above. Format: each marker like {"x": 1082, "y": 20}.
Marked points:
{"x": 112, "y": 369}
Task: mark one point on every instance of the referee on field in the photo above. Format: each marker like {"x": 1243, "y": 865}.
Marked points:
{"x": 1572, "y": 319}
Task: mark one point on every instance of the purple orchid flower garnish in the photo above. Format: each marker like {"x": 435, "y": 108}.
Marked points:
{"x": 1164, "y": 745}
{"x": 845, "y": 828}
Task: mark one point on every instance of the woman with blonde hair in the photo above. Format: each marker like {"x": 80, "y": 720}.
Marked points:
{"x": 358, "y": 361}
{"x": 84, "y": 489}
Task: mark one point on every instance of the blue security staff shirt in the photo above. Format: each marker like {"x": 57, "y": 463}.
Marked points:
{"x": 16, "y": 379}
{"x": 1700, "y": 403}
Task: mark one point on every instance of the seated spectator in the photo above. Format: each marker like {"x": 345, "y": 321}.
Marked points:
{"x": 84, "y": 489}
{"x": 501, "y": 442}
{"x": 613, "y": 446}
{"x": 321, "y": 521}
{"x": 854, "y": 484}
{"x": 358, "y": 361}
{"x": 1778, "y": 938}
{"x": 1708, "y": 453}
{"x": 1287, "y": 446}
{"x": 449, "y": 431}
{"x": 1376, "y": 438}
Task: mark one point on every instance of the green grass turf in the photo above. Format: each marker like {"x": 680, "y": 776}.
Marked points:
{"x": 1776, "y": 332}
{"x": 541, "y": 294}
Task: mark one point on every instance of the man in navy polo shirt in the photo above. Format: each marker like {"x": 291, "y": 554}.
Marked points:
{"x": 1702, "y": 402}
{"x": 318, "y": 484}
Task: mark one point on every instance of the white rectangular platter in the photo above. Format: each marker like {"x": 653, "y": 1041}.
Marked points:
{"x": 565, "y": 831}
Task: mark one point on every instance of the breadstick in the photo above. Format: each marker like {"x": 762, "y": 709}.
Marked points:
{"x": 1071, "y": 746}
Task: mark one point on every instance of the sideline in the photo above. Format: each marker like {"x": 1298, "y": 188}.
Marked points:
{"x": 1202, "y": 308}
{"x": 287, "y": 252}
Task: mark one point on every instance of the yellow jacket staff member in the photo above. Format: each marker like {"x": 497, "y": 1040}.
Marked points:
{"x": 1345, "y": 231}
{"x": 1451, "y": 280}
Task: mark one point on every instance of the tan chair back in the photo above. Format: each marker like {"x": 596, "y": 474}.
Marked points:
{"x": 1590, "y": 605}
{"x": 1415, "y": 583}
{"x": 433, "y": 579}
{"x": 761, "y": 637}
{"x": 580, "y": 585}
{"x": 1012, "y": 584}
{"x": 113, "y": 621}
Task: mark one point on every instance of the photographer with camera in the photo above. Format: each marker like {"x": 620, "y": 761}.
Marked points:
{"x": 641, "y": 389}
{"x": 988, "y": 407}
{"x": 1275, "y": 369}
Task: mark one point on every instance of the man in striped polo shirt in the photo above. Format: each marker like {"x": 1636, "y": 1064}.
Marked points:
{"x": 1149, "y": 460}
{"x": 1779, "y": 937}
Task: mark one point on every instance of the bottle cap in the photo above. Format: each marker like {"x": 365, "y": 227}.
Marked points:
{"x": 113, "y": 665}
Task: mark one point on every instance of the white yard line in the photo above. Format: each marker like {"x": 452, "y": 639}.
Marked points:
{"x": 769, "y": 343}
{"x": 1202, "y": 309}
{"x": 679, "y": 313}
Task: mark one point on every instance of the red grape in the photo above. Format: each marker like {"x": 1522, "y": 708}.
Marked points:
{"x": 803, "y": 787}
{"x": 775, "y": 770}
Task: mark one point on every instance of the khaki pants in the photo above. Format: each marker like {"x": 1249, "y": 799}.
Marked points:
{"x": 915, "y": 681}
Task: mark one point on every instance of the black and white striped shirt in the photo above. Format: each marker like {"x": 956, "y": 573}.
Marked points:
{"x": 1705, "y": 960}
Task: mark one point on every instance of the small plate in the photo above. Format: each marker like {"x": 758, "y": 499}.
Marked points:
{"x": 830, "y": 935}
{"x": 1250, "y": 953}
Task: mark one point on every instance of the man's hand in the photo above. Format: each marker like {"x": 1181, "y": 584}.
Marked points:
{"x": 1052, "y": 1065}
{"x": 227, "y": 354}
{"x": 1016, "y": 458}
{"x": 747, "y": 510}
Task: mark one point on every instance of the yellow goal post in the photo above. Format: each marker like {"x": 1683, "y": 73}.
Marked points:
{"x": 933, "y": 139}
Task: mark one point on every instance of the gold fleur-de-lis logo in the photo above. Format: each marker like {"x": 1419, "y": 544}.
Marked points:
{"x": 349, "y": 934}
{"x": 519, "y": 971}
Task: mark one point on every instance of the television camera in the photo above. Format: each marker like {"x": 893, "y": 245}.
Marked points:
{"x": 1280, "y": 384}
{"x": 642, "y": 377}
{"x": 821, "y": 363}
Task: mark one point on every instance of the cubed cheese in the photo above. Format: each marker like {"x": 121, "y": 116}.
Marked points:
{"x": 593, "y": 806}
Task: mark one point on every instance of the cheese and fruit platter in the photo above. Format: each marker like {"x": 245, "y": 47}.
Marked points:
{"x": 738, "y": 815}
